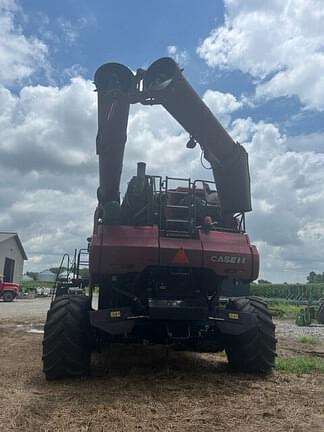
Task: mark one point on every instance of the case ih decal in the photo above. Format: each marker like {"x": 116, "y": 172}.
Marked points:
{"x": 227, "y": 259}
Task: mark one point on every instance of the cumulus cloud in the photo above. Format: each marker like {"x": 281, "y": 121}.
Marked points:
{"x": 20, "y": 56}
{"x": 44, "y": 128}
{"x": 288, "y": 213}
{"x": 222, "y": 105}
{"x": 304, "y": 143}
{"x": 48, "y": 167}
{"x": 181, "y": 57}
{"x": 279, "y": 43}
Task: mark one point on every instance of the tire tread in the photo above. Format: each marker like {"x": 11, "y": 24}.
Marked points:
{"x": 254, "y": 351}
{"x": 66, "y": 343}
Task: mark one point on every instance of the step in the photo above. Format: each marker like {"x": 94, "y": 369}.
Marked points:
{"x": 177, "y": 192}
{"x": 178, "y": 220}
{"x": 177, "y": 206}
{"x": 182, "y": 234}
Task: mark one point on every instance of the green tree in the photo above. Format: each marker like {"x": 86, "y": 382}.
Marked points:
{"x": 315, "y": 277}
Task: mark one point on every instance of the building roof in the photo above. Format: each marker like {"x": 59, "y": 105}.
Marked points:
{"x": 8, "y": 235}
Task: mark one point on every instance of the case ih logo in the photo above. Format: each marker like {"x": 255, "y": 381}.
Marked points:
{"x": 227, "y": 259}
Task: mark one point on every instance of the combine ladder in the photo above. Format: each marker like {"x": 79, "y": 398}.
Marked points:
{"x": 178, "y": 217}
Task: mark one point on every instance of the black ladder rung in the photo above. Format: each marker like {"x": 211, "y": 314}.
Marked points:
{"x": 170, "y": 233}
{"x": 178, "y": 192}
{"x": 178, "y": 220}
{"x": 177, "y": 206}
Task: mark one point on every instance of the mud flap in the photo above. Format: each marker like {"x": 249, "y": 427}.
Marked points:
{"x": 113, "y": 321}
{"x": 232, "y": 322}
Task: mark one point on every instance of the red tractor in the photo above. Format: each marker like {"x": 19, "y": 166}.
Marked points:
{"x": 8, "y": 290}
{"x": 172, "y": 260}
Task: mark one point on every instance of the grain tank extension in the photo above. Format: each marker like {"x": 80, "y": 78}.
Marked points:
{"x": 171, "y": 260}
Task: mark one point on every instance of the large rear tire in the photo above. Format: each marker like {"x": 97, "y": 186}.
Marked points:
{"x": 255, "y": 350}
{"x": 67, "y": 344}
{"x": 320, "y": 312}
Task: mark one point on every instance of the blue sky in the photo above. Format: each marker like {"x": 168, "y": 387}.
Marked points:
{"x": 259, "y": 65}
{"x": 137, "y": 33}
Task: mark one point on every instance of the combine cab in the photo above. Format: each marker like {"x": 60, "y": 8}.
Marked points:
{"x": 172, "y": 260}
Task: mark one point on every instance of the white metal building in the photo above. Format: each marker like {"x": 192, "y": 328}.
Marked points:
{"x": 12, "y": 257}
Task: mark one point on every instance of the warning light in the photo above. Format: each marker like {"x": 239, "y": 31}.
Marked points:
{"x": 180, "y": 257}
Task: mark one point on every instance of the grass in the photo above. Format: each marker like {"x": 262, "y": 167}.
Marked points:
{"x": 284, "y": 310}
{"x": 309, "y": 340}
{"x": 300, "y": 364}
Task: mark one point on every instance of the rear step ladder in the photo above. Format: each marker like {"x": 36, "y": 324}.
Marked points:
{"x": 179, "y": 225}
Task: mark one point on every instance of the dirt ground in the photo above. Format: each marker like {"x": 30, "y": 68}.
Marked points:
{"x": 138, "y": 389}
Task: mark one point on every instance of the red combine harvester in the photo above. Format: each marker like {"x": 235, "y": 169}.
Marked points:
{"x": 172, "y": 261}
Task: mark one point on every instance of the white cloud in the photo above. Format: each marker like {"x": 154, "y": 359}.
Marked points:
{"x": 303, "y": 143}
{"x": 71, "y": 30}
{"x": 20, "y": 56}
{"x": 48, "y": 167}
{"x": 74, "y": 71}
{"x": 44, "y": 128}
{"x": 278, "y": 43}
{"x": 287, "y": 190}
{"x": 221, "y": 105}
{"x": 181, "y": 57}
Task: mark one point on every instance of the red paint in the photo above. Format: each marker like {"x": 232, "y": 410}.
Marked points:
{"x": 228, "y": 245}
{"x": 123, "y": 249}
{"x": 119, "y": 249}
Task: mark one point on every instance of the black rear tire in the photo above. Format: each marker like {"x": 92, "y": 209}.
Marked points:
{"x": 67, "y": 338}
{"x": 320, "y": 312}
{"x": 8, "y": 296}
{"x": 255, "y": 350}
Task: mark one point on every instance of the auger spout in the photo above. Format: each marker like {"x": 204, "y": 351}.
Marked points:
{"x": 165, "y": 84}
{"x": 114, "y": 83}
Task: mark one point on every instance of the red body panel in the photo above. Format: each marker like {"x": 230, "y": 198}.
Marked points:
{"x": 123, "y": 249}
{"x": 119, "y": 249}
{"x": 228, "y": 254}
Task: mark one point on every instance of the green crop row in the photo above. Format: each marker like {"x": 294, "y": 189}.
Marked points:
{"x": 32, "y": 285}
{"x": 289, "y": 291}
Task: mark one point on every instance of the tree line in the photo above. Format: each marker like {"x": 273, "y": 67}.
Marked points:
{"x": 311, "y": 278}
